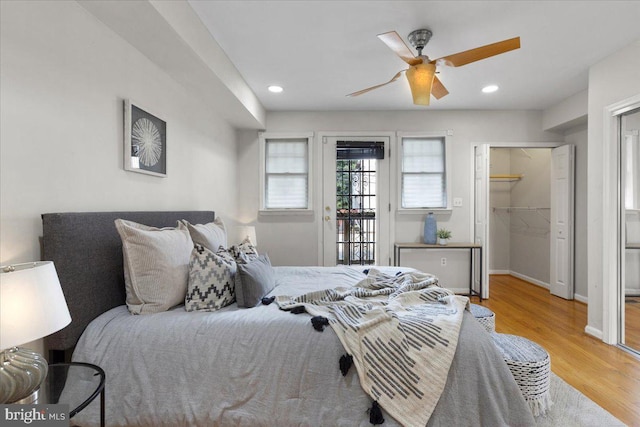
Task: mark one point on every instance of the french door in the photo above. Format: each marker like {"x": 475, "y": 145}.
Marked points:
{"x": 355, "y": 209}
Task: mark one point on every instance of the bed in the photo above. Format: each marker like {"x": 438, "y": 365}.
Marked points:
{"x": 260, "y": 366}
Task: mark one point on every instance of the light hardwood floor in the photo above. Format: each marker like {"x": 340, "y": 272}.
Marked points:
{"x": 606, "y": 374}
{"x": 632, "y": 322}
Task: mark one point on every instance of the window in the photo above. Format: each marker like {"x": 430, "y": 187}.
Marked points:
{"x": 423, "y": 173}
{"x": 286, "y": 164}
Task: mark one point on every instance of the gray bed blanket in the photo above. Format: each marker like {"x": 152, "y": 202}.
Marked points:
{"x": 267, "y": 367}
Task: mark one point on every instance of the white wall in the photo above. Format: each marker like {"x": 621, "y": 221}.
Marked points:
{"x": 294, "y": 240}
{"x": 64, "y": 76}
{"x": 612, "y": 80}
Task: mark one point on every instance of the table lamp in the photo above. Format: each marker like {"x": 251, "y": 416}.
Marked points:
{"x": 248, "y": 231}
{"x": 32, "y": 306}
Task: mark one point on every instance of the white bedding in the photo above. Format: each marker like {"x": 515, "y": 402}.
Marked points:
{"x": 267, "y": 367}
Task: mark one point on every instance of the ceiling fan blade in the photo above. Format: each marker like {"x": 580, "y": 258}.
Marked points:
{"x": 396, "y": 44}
{"x": 438, "y": 90}
{"x": 482, "y": 52}
{"x": 393, "y": 79}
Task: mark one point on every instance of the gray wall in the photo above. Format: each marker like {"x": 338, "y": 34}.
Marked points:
{"x": 500, "y": 218}
{"x": 578, "y": 137}
{"x": 612, "y": 80}
{"x": 529, "y": 239}
{"x": 296, "y": 240}
{"x": 64, "y": 76}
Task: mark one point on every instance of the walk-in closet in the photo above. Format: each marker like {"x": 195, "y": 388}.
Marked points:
{"x": 520, "y": 213}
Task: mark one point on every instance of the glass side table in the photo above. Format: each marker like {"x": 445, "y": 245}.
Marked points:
{"x": 76, "y": 384}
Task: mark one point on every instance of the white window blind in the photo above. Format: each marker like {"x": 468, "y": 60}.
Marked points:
{"x": 423, "y": 173}
{"x": 286, "y": 174}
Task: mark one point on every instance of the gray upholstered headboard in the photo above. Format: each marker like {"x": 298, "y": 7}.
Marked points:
{"x": 87, "y": 253}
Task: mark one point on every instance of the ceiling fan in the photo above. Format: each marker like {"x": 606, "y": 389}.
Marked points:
{"x": 422, "y": 69}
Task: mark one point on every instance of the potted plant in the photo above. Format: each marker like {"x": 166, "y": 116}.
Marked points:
{"x": 443, "y": 236}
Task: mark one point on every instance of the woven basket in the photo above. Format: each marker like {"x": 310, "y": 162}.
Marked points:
{"x": 486, "y": 317}
{"x": 530, "y": 366}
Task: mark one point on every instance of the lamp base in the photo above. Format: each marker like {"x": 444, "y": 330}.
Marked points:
{"x": 21, "y": 372}
{"x": 31, "y": 399}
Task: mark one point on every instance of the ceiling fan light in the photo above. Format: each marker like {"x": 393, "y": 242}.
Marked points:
{"x": 420, "y": 77}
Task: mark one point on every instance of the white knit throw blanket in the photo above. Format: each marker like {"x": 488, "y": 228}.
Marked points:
{"x": 402, "y": 332}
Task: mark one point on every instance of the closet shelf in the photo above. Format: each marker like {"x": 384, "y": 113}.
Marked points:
{"x": 506, "y": 177}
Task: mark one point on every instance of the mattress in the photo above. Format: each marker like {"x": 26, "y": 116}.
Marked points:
{"x": 265, "y": 367}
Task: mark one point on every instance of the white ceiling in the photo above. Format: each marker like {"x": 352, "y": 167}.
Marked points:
{"x": 319, "y": 51}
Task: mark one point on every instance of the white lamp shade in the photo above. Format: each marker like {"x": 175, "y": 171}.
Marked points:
{"x": 32, "y": 304}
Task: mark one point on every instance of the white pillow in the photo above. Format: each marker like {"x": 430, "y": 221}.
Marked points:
{"x": 211, "y": 235}
{"x": 156, "y": 265}
{"x": 211, "y": 280}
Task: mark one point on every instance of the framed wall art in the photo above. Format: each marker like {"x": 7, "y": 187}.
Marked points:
{"x": 145, "y": 141}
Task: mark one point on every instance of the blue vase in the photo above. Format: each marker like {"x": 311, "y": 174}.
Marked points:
{"x": 430, "y": 229}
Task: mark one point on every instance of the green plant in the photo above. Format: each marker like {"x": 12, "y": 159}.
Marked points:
{"x": 443, "y": 233}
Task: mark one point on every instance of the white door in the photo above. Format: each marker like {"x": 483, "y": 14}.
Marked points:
{"x": 562, "y": 205}
{"x": 481, "y": 214}
{"x": 355, "y": 226}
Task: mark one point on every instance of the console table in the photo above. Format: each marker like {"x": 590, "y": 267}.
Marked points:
{"x": 471, "y": 247}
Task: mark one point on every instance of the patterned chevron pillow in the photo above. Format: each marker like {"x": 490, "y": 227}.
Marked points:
{"x": 211, "y": 280}
{"x": 244, "y": 252}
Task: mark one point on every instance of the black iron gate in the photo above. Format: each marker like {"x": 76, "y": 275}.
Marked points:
{"x": 356, "y": 201}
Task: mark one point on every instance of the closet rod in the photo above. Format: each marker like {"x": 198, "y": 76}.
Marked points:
{"x": 519, "y": 208}
{"x": 507, "y": 176}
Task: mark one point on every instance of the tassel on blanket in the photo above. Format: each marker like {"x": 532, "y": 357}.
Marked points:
{"x": 540, "y": 404}
{"x": 319, "y": 322}
{"x": 375, "y": 414}
{"x": 346, "y": 360}
{"x": 268, "y": 300}
{"x": 298, "y": 310}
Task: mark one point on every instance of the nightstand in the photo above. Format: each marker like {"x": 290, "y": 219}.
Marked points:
{"x": 76, "y": 384}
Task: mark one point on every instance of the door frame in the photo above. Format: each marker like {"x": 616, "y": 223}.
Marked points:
{"x": 612, "y": 239}
{"x": 472, "y": 156}
{"x": 389, "y": 152}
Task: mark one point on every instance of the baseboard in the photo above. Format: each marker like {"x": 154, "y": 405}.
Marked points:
{"x": 577, "y": 297}
{"x": 631, "y": 292}
{"x": 581, "y": 298}
{"x": 499, "y": 272}
{"x": 530, "y": 279}
{"x": 590, "y": 330}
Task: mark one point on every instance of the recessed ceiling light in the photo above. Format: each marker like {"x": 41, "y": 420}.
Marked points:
{"x": 275, "y": 89}
{"x": 490, "y": 89}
